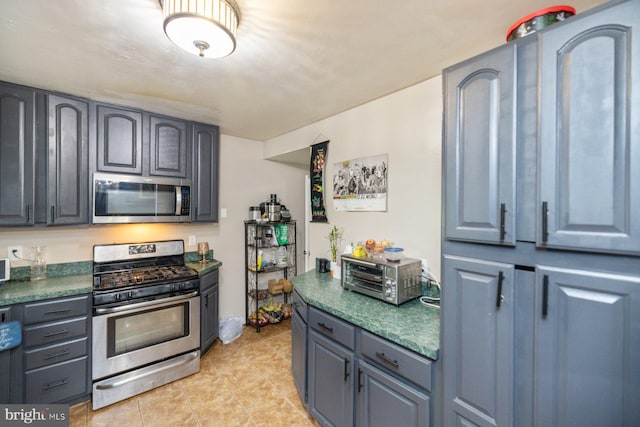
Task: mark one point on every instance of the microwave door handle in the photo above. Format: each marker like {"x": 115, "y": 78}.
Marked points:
{"x": 178, "y": 200}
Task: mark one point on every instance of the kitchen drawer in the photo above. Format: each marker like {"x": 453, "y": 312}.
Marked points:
{"x": 299, "y": 306}
{"x": 55, "y": 353}
{"x": 396, "y": 359}
{"x": 334, "y": 328}
{"x": 57, "y": 382}
{"x": 48, "y": 310}
{"x": 208, "y": 280}
{"x": 55, "y": 331}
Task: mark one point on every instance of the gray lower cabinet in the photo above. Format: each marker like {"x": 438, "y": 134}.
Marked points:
{"x": 17, "y": 155}
{"x": 208, "y": 310}
{"x": 68, "y": 162}
{"x": 480, "y": 145}
{"x": 10, "y": 377}
{"x": 206, "y": 160}
{"x": 331, "y": 381}
{"x": 358, "y": 378}
{"x": 383, "y": 400}
{"x": 587, "y": 348}
{"x": 299, "y": 345}
{"x": 56, "y": 350}
{"x": 478, "y": 342}
{"x": 589, "y": 196}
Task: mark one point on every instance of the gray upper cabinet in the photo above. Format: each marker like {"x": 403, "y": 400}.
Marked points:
{"x": 119, "y": 144}
{"x": 478, "y": 338}
{"x": 589, "y": 192}
{"x": 587, "y": 348}
{"x": 168, "y": 148}
{"x": 204, "y": 193}
{"x": 17, "y": 143}
{"x": 68, "y": 168}
{"x": 480, "y": 148}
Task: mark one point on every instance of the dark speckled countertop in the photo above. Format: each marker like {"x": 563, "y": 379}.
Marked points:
{"x": 411, "y": 325}
{"x": 20, "y": 291}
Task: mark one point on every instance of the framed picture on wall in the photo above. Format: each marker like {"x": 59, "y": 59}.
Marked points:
{"x": 361, "y": 184}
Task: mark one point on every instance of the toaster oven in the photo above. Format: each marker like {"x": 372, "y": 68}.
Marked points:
{"x": 392, "y": 282}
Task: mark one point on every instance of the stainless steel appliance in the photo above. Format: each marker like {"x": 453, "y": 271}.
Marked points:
{"x": 146, "y": 319}
{"x": 132, "y": 199}
{"x": 392, "y": 282}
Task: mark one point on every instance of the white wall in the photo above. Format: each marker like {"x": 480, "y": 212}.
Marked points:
{"x": 245, "y": 179}
{"x": 408, "y": 126}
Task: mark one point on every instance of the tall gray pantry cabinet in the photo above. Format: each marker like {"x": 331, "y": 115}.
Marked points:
{"x": 541, "y": 233}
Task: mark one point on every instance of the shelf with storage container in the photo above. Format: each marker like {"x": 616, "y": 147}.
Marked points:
{"x": 270, "y": 261}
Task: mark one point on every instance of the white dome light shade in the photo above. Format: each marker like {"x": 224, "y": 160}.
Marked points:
{"x": 202, "y": 27}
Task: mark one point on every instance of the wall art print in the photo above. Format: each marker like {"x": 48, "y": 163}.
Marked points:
{"x": 318, "y": 159}
{"x": 361, "y": 184}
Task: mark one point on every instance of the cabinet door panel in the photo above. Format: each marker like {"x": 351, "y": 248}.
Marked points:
{"x": 587, "y": 348}
{"x": 330, "y": 381}
{"x": 477, "y": 344}
{"x": 299, "y": 355}
{"x": 204, "y": 198}
{"x": 209, "y": 318}
{"x": 16, "y": 155}
{"x": 480, "y": 112}
{"x": 168, "y": 147}
{"x": 384, "y": 401}
{"x": 590, "y": 133}
{"x": 119, "y": 140}
{"x": 68, "y": 172}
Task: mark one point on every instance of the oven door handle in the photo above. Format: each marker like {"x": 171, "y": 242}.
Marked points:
{"x": 157, "y": 302}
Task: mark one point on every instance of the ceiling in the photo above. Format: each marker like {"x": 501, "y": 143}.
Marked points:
{"x": 296, "y": 62}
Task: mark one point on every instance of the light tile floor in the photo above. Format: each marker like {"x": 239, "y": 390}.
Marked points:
{"x": 247, "y": 382}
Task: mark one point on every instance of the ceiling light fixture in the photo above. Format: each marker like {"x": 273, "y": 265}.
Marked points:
{"x": 206, "y": 28}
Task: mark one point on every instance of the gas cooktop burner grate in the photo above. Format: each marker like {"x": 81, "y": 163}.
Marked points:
{"x": 143, "y": 276}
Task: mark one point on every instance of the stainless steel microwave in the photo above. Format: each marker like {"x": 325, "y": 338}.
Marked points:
{"x": 122, "y": 199}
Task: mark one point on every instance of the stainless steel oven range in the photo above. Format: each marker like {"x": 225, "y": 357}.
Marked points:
{"x": 146, "y": 319}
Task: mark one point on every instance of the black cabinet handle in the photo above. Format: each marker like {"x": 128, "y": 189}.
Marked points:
{"x": 28, "y": 212}
{"x": 206, "y": 300}
{"x": 53, "y": 213}
{"x": 325, "y": 327}
{"x": 56, "y": 355}
{"x": 62, "y": 382}
{"x": 545, "y": 222}
{"x": 56, "y": 333}
{"x": 346, "y": 369}
{"x": 503, "y": 231}
{"x": 359, "y": 380}
{"x": 545, "y": 295}
{"x": 499, "y": 294}
{"x": 387, "y": 359}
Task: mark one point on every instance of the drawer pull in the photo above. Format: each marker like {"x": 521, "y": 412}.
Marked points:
{"x": 387, "y": 359}
{"x": 359, "y": 378}
{"x": 55, "y": 355}
{"x": 56, "y": 333}
{"x": 325, "y": 327}
{"x": 60, "y": 311}
{"x": 62, "y": 382}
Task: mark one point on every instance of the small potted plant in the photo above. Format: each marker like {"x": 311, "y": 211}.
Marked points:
{"x": 334, "y": 237}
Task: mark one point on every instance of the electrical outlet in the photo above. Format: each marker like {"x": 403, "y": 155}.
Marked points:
{"x": 223, "y": 212}
{"x": 192, "y": 241}
{"x": 18, "y": 255}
